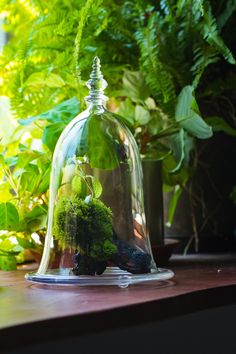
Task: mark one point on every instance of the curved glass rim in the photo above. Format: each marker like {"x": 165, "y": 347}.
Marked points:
{"x": 112, "y": 276}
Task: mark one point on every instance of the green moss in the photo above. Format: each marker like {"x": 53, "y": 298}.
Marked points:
{"x": 84, "y": 226}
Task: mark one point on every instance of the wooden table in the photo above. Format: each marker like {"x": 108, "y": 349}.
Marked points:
{"x": 26, "y": 310}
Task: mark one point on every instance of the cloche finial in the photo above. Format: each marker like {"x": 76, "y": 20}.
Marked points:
{"x": 96, "y": 84}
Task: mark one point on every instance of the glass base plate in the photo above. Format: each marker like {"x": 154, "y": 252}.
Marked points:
{"x": 112, "y": 276}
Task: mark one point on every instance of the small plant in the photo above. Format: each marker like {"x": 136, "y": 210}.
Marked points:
{"x": 86, "y": 226}
{"x": 82, "y": 221}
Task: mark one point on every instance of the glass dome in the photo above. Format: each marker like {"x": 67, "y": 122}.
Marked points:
{"x": 96, "y": 232}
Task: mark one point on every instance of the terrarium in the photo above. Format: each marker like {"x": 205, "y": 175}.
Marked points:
{"x": 96, "y": 232}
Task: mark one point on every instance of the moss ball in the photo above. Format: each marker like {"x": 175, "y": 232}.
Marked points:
{"x": 84, "y": 226}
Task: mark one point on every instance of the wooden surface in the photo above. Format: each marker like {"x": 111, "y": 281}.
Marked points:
{"x": 36, "y": 313}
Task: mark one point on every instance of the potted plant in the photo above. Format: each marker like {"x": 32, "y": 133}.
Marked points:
{"x": 167, "y": 124}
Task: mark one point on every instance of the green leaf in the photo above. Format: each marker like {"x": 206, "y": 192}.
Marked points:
{"x": 78, "y": 186}
{"x": 172, "y": 179}
{"x": 54, "y": 80}
{"x": 188, "y": 118}
{"x": 36, "y": 219}
{"x": 24, "y": 243}
{"x": 41, "y": 79}
{"x": 157, "y": 151}
{"x": 9, "y": 217}
{"x": 135, "y": 86}
{"x": 35, "y": 79}
{"x": 127, "y": 112}
{"x": 97, "y": 187}
{"x": 211, "y": 35}
{"x": 63, "y": 112}
{"x": 30, "y": 178}
{"x": 142, "y": 116}
{"x": 45, "y": 179}
{"x": 26, "y": 156}
{"x": 36, "y": 212}
{"x": 8, "y": 263}
{"x": 5, "y": 191}
{"x": 178, "y": 148}
{"x": 9, "y": 248}
{"x": 220, "y": 125}
{"x": 51, "y": 134}
{"x": 159, "y": 122}
{"x": 102, "y": 148}
{"x": 37, "y": 223}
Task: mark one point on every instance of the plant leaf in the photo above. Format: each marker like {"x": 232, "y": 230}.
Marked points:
{"x": 41, "y": 79}
{"x": 5, "y": 192}
{"x": 9, "y": 217}
{"x": 63, "y": 112}
{"x": 188, "y": 118}
{"x": 127, "y": 112}
{"x": 51, "y": 134}
{"x": 218, "y": 124}
{"x": 135, "y": 86}
{"x": 142, "y": 116}
{"x": 102, "y": 148}
{"x": 54, "y": 80}
{"x": 177, "y": 144}
{"x": 26, "y": 156}
{"x": 97, "y": 187}
{"x": 76, "y": 185}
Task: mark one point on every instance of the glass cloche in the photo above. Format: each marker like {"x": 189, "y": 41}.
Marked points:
{"x": 96, "y": 233}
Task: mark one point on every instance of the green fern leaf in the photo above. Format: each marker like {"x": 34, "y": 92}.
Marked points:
{"x": 158, "y": 78}
{"x": 211, "y": 35}
{"x": 202, "y": 58}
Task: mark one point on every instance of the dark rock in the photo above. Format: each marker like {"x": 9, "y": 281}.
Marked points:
{"x": 131, "y": 259}
{"x": 85, "y": 265}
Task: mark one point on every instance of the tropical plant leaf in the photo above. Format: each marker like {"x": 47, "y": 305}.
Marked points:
{"x": 63, "y": 112}
{"x": 188, "y": 118}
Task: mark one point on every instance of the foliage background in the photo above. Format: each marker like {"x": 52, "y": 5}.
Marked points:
{"x": 162, "y": 61}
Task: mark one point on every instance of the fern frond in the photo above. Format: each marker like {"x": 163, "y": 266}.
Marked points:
{"x": 156, "y": 75}
{"x": 226, "y": 14}
{"x": 18, "y": 97}
{"x": 84, "y": 14}
{"x": 203, "y": 57}
{"x": 210, "y": 33}
{"x": 195, "y": 7}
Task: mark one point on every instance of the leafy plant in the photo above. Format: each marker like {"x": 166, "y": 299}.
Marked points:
{"x": 25, "y": 168}
{"x": 181, "y": 47}
{"x": 172, "y": 54}
{"x": 83, "y": 222}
